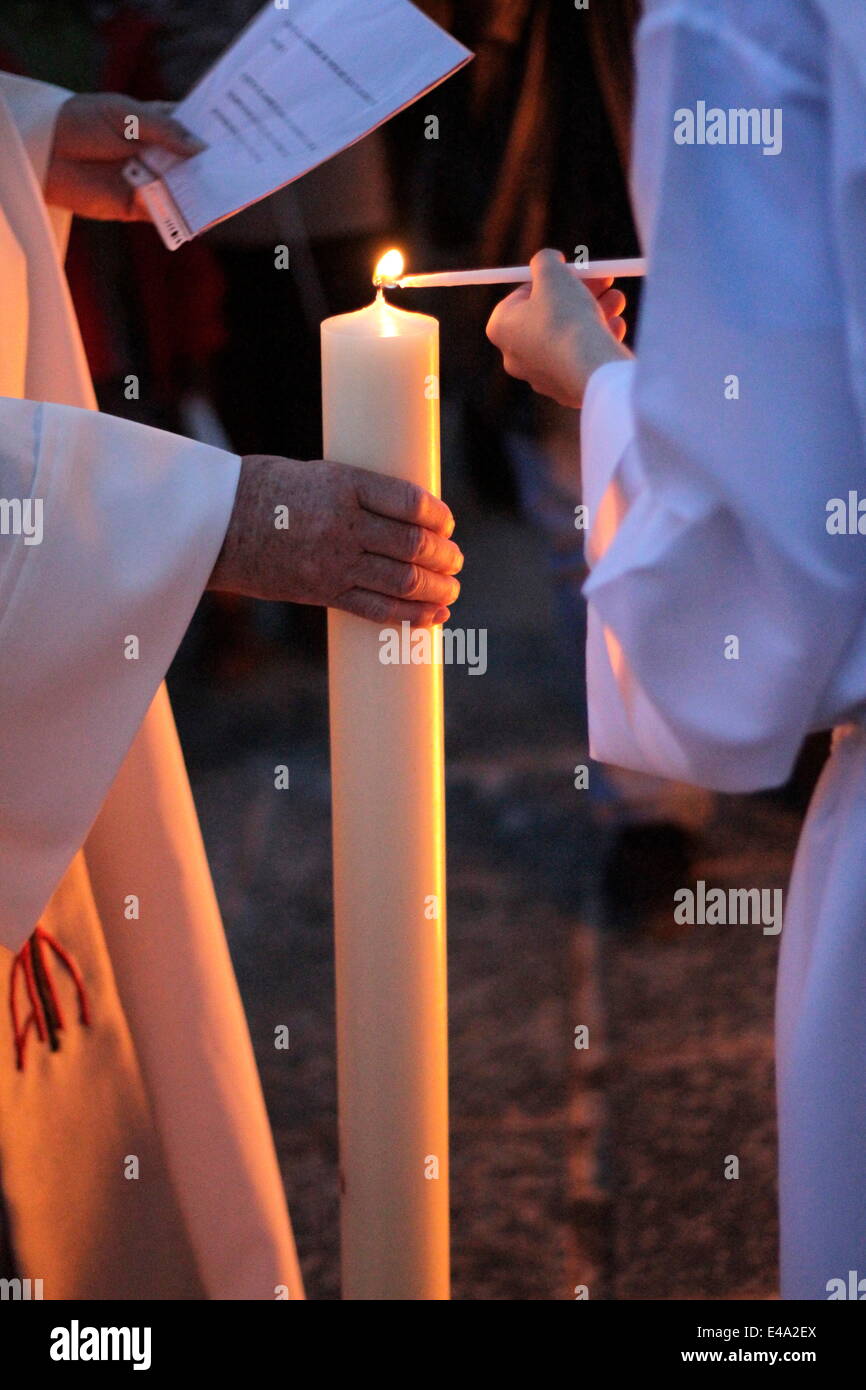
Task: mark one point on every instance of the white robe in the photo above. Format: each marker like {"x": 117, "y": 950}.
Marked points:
{"x": 95, "y": 806}
{"x": 709, "y": 521}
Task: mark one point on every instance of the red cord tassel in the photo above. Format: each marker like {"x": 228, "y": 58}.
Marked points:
{"x": 45, "y": 1014}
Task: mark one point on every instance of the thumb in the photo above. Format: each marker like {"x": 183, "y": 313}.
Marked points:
{"x": 498, "y": 324}
{"x": 547, "y": 268}
{"x": 157, "y": 126}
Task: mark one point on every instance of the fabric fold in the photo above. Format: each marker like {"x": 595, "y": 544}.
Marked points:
{"x": 135, "y": 518}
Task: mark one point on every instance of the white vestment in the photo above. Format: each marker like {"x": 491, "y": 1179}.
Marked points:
{"x": 726, "y": 621}
{"x": 95, "y": 807}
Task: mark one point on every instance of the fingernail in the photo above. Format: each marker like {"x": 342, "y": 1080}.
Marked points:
{"x": 441, "y": 616}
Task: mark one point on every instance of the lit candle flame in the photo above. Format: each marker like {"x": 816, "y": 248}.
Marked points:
{"x": 389, "y": 269}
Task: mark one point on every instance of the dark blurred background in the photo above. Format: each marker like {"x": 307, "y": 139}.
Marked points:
{"x": 602, "y": 1166}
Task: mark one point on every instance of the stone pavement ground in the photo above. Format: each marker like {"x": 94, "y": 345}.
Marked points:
{"x": 686, "y": 1083}
{"x": 602, "y": 1167}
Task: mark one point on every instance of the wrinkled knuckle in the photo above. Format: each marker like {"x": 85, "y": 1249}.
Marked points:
{"x": 417, "y": 542}
{"x": 414, "y": 498}
{"x": 384, "y": 611}
{"x": 408, "y": 582}
{"x": 371, "y": 606}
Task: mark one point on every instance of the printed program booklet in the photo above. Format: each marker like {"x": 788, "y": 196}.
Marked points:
{"x": 301, "y": 82}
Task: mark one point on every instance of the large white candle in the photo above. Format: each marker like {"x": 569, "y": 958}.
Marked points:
{"x": 381, "y": 411}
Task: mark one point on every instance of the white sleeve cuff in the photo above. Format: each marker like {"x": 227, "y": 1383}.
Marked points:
{"x": 34, "y": 107}
{"x": 606, "y": 429}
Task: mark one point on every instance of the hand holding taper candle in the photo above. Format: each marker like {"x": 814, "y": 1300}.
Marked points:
{"x": 556, "y": 332}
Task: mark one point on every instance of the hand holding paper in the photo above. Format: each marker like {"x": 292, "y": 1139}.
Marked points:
{"x": 91, "y": 146}
{"x": 298, "y": 86}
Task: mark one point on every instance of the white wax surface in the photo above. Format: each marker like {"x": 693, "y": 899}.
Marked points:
{"x": 381, "y": 411}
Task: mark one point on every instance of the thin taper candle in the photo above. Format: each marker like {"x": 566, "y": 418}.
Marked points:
{"x": 518, "y": 274}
